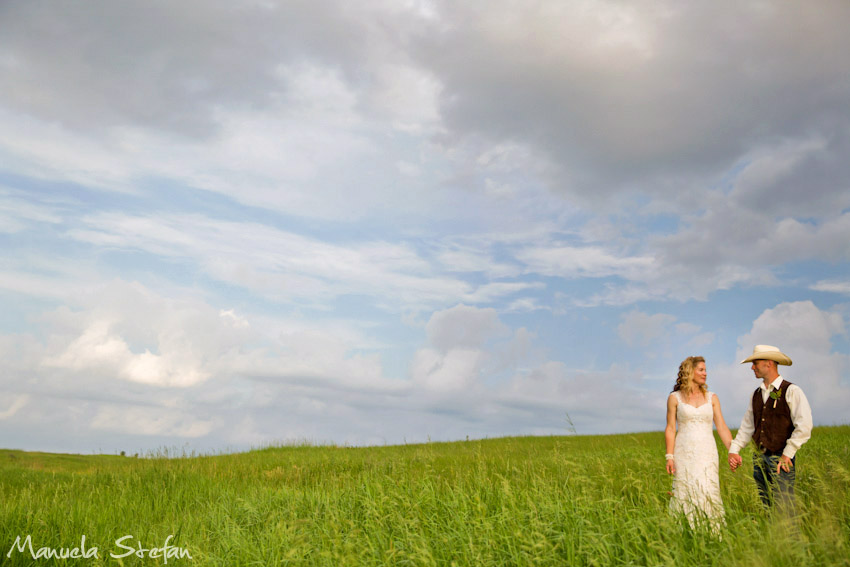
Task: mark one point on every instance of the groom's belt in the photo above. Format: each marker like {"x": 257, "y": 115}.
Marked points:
{"x": 767, "y": 452}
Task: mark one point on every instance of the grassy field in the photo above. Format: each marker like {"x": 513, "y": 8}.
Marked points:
{"x": 573, "y": 500}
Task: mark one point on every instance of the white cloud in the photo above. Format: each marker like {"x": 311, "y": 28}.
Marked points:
{"x": 587, "y": 261}
{"x": 801, "y": 323}
{"x": 526, "y": 304}
{"x": 408, "y": 95}
{"x": 764, "y": 171}
{"x": 101, "y": 348}
{"x": 472, "y": 259}
{"x": 126, "y": 331}
{"x": 18, "y": 402}
{"x": 697, "y": 339}
{"x": 554, "y": 391}
{"x": 236, "y": 320}
{"x": 687, "y": 328}
{"x": 150, "y": 422}
{"x": 139, "y": 363}
{"x": 455, "y": 369}
{"x": 621, "y": 295}
{"x": 498, "y": 290}
{"x": 601, "y": 107}
{"x": 529, "y": 388}
{"x": 702, "y": 339}
{"x": 464, "y": 327}
{"x": 279, "y": 265}
{"x": 468, "y": 348}
{"x": 641, "y": 329}
{"x": 832, "y": 286}
{"x": 18, "y": 213}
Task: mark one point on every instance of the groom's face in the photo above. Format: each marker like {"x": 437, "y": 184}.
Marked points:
{"x": 761, "y": 368}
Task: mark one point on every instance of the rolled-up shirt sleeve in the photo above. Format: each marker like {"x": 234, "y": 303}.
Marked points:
{"x": 745, "y": 432}
{"x": 801, "y": 417}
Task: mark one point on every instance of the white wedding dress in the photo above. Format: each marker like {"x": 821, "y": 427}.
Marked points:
{"x": 696, "y": 484}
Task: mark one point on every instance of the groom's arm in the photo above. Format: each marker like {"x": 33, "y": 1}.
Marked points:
{"x": 801, "y": 417}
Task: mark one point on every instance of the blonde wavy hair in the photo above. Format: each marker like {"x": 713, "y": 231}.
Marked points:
{"x": 685, "y": 379}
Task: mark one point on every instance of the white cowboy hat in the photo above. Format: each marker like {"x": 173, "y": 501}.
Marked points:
{"x": 767, "y": 352}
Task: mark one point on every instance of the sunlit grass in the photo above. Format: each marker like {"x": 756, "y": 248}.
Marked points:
{"x": 571, "y": 500}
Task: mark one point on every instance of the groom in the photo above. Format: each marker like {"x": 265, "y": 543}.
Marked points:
{"x": 779, "y": 421}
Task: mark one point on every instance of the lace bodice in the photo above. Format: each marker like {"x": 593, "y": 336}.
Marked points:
{"x": 694, "y": 418}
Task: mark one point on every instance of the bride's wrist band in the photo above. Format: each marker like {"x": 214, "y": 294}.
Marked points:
{"x": 669, "y": 457}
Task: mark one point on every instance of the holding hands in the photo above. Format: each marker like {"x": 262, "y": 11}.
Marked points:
{"x": 735, "y": 461}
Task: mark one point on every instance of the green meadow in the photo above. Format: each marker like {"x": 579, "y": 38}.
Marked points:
{"x": 567, "y": 500}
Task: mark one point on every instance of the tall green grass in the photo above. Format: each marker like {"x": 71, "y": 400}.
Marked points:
{"x": 573, "y": 500}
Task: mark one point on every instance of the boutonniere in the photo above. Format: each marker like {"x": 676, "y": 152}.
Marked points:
{"x": 775, "y": 395}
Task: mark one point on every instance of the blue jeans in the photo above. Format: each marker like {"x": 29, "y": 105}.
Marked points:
{"x": 772, "y": 487}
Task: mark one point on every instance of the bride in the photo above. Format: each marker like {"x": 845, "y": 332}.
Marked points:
{"x": 692, "y": 451}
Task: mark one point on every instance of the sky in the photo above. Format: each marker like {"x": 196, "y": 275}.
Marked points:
{"x": 233, "y": 224}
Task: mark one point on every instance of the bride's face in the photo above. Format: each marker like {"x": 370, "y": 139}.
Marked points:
{"x": 700, "y": 373}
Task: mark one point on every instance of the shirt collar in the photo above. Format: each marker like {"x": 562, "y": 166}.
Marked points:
{"x": 773, "y": 385}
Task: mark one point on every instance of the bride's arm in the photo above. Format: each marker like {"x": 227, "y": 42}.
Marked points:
{"x": 722, "y": 429}
{"x": 670, "y": 432}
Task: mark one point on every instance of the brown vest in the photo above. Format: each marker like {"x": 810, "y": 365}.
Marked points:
{"x": 772, "y": 419}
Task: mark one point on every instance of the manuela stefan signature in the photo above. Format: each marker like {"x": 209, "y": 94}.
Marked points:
{"x": 123, "y": 545}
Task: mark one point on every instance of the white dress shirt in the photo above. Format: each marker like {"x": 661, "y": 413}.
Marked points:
{"x": 801, "y": 417}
